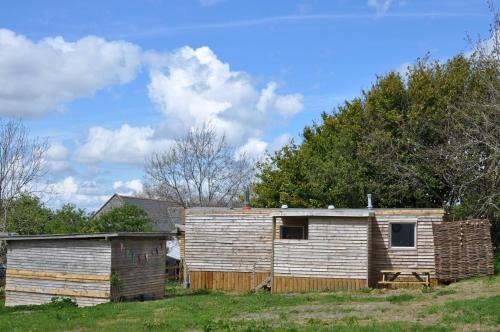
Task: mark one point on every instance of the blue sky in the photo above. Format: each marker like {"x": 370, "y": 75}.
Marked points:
{"x": 110, "y": 82}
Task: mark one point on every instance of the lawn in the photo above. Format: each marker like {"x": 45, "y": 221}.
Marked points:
{"x": 467, "y": 305}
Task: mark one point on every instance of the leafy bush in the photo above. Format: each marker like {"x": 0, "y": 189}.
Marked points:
{"x": 62, "y": 302}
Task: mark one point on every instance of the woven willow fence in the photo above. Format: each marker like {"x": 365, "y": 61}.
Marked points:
{"x": 463, "y": 249}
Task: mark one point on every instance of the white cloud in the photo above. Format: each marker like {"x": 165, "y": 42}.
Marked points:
{"x": 131, "y": 187}
{"x": 253, "y": 148}
{"x": 86, "y": 194}
{"x": 192, "y": 86}
{"x": 124, "y": 145}
{"x": 280, "y": 142}
{"x": 286, "y": 105}
{"x": 256, "y": 148}
{"x": 380, "y": 6}
{"x": 57, "y": 151}
{"x": 56, "y": 158}
{"x": 42, "y": 76}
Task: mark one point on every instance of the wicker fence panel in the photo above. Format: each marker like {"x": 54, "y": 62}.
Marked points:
{"x": 463, "y": 249}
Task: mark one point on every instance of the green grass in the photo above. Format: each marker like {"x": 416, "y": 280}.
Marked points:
{"x": 191, "y": 311}
{"x": 483, "y": 311}
{"x": 202, "y": 310}
{"x": 401, "y": 298}
{"x": 445, "y": 291}
{"x": 496, "y": 263}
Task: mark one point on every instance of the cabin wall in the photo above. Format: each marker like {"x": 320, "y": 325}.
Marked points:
{"x": 335, "y": 254}
{"x": 228, "y": 251}
{"x": 42, "y": 269}
{"x": 386, "y": 258}
{"x": 139, "y": 265}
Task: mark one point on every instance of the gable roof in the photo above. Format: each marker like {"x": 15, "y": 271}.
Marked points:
{"x": 163, "y": 214}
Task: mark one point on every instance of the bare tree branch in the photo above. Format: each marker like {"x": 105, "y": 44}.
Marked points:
{"x": 21, "y": 163}
{"x": 200, "y": 169}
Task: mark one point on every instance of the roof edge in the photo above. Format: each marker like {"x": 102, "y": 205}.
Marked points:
{"x": 83, "y": 236}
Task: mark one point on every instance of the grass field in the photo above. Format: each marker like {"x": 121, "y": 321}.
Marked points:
{"x": 464, "y": 306}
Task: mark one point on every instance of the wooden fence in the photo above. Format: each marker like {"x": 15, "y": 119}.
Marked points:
{"x": 463, "y": 249}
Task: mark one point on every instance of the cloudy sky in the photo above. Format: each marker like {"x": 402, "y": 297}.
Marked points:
{"x": 110, "y": 82}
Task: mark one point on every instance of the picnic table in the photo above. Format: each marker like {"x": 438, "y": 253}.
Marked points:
{"x": 390, "y": 276}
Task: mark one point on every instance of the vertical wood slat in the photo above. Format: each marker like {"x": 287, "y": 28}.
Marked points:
{"x": 226, "y": 281}
{"x": 283, "y": 284}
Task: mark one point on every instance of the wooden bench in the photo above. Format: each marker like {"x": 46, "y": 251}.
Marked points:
{"x": 390, "y": 276}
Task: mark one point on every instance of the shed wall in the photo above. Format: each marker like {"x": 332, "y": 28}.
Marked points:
{"x": 42, "y": 269}
{"x": 236, "y": 243}
{"x": 336, "y": 248}
{"x": 386, "y": 258}
{"x": 140, "y": 267}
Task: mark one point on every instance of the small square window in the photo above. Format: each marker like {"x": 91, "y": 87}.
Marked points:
{"x": 294, "y": 228}
{"x": 292, "y": 232}
{"x": 403, "y": 235}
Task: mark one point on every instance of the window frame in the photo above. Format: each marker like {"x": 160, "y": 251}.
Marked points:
{"x": 415, "y": 223}
{"x": 304, "y": 233}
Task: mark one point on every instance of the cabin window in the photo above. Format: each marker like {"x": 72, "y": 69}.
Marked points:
{"x": 294, "y": 228}
{"x": 403, "y": 235}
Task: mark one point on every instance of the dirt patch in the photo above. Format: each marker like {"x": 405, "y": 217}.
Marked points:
{"x": 418, "y": 308}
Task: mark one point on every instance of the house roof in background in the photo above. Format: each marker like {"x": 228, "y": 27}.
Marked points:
{"x": 164, "y": 215}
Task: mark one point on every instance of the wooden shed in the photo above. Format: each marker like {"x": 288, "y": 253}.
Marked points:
{"x": 311, "y": 249}
{"x": 88, "y": 268}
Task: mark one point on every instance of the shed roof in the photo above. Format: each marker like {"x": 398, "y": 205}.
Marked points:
{"x": 79, "y": 236}
{"x": 323, "y": 213}
{"x": 304, "y": 212}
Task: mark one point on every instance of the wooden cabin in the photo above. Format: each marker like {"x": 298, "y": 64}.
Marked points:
{"x": 310, "y": 249}
{"x": 88, "y": 268}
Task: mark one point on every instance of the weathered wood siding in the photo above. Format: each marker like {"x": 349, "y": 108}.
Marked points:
{"x": 337, "y": 248}
{"x": 237, "y": 281}
{"x": 386, "y": 258}
{"x": 140, "y": 266}
{"x": 40, "y": 270}
{"x": 227, "y": 243}
{"x": 289, "y": 284}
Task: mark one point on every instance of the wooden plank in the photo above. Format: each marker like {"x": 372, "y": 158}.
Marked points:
{"x": 406, "y": 270}
{"x": 57, "y": 276}
{"x": 63, "y": 292}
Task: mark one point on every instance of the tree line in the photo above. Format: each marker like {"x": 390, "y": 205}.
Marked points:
{"x": 28, "y": 215}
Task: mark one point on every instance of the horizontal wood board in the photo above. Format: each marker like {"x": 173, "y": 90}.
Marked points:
{"x": 383, "y": 257}
{"x": 228, "y": 243}
{"x": 140, "y": 266}
{"x": 335, "y": 248}
{"x": 40, "y": 270}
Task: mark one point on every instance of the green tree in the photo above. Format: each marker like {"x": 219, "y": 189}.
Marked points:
{"x": 68, "y": 219}
{"x": 127, "y": 218}
{"x": 400, "y": 141}
{"x": 27, "y": 215}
